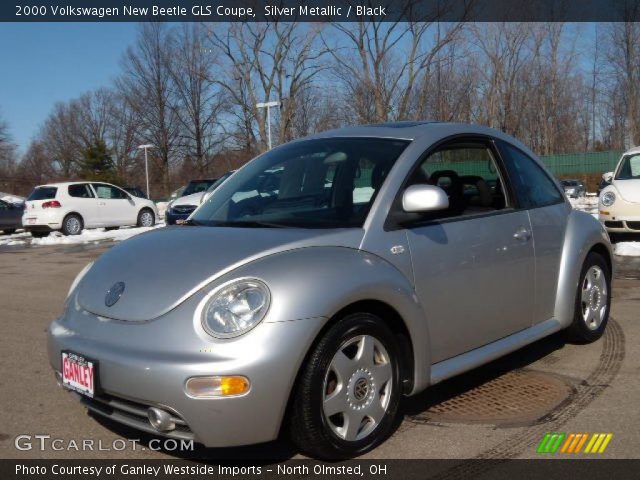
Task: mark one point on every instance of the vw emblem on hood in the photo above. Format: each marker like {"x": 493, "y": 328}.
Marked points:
{"x": 114, "y": 294}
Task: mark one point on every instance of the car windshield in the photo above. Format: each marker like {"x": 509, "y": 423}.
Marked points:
{"x": 629, "y": 168}
{"x": 42, "y": 193}
{"x": 196, "y": 186}
{"x": 324, "y": 183}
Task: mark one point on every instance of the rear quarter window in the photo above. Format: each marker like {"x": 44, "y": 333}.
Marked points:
{"x": 43, "y": 193}
{"x": 533, "y": 186}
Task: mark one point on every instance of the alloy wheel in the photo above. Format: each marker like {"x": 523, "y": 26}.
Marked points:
{"x": 357, "y": 388}
{"x": 73, "y": 225}
{"x": 594, "y": 297}
{"x": 146, "y": 219}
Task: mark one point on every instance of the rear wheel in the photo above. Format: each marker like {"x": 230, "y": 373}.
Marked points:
{"x": 9, "y": 231}
{"x": 145, "y": 218}
{"x": 593, "y": 301}
{"x": 346, "y": 399}
{"x": 39, "y": 234}
{"x": 72, "y": 225}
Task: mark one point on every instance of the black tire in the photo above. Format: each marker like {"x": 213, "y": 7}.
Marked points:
{"x": 579, "y": 331}
{"x": 39, "y": 234}
{"x": 9, "y": 231}
{"x": 72, "y": 225}
{"x": 108, "y": 229}
{"x": 140, "y": 221}
{"x": 310, "y": 429}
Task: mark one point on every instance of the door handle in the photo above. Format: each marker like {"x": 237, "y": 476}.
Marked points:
{"x": 522, "y": 234}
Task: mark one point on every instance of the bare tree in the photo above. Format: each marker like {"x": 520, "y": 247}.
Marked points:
{"x": 380, "y": 64}
{"x": 267, "y": 61}
{"x": 200, "y": 102}
{"x": 623, "y": 64}
{"x": 147, "y": 85}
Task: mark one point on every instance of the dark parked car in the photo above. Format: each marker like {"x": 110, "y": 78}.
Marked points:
{"x": 10, "y": 216}
{"x": 573, "y": 188}
{"x": 135, "y": 191}
{"x": 180, "y": 208}
{"x": 196, "y": 186}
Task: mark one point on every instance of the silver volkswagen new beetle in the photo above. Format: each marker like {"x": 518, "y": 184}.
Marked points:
{"x": 326, "y": 279}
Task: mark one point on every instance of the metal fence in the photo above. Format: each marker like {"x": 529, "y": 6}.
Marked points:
{"x": 582, "y": 163}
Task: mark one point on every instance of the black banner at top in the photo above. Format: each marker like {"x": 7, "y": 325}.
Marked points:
{"x": 319, "y": 10}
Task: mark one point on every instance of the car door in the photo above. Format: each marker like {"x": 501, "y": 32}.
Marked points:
{"x": 83, "y": 201}
{"x": 473, "y": 263}
{"x": 114, "y": 205}
{"x": 548, "y": 213}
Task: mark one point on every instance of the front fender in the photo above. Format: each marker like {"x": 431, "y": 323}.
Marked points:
{"x": 320, "y": 281}
{"x": 582, "y": 234}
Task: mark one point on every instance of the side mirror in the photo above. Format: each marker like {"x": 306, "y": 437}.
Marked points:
{"x": 608, "y": 177}
{"x": 424, "y": 198}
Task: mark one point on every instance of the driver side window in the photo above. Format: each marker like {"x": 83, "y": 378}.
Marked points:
{"x": 468, "y": 173}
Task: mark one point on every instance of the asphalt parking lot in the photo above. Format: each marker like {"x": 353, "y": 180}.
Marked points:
{"x": 501, "y": 410}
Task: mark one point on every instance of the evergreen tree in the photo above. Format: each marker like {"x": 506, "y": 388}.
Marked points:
{"x": 96, "y": 164}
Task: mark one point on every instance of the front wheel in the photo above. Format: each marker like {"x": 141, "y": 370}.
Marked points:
{"x": 145, "y": 218}
{"x": 346, "y": 399}
{"x": 593, "y": 301}
{"x": 9, "y": 231}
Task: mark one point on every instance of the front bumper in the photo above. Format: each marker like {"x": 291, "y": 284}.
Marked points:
{"x": 171, "y": 217}
{"x": 147, "y": 364}
{"x": 621, "y": 217}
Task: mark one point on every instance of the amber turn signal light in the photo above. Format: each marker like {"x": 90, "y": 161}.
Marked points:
{"x": 217, "y": 386}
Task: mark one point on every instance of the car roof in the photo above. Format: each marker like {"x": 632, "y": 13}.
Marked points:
{"x": 411, "y": 130}
{"x": 632, "y": 150}
{"x": 65, "y": 184}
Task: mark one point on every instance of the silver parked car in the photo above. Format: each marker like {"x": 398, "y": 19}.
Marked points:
{"x": 377, "y": 261}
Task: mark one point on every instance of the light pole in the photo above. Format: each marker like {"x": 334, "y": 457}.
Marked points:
{"x": 146, "y": 164}
{"x": 268, "y": 106}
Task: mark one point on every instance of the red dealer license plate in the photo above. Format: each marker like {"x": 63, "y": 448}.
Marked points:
{"x": 78, "y": 373}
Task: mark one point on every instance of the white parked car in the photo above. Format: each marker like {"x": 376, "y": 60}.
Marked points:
{"x": 619, "y": 204}
{"x": 69, "y": 207}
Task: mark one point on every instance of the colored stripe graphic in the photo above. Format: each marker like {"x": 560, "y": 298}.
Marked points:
{"x": 550, "y": 442}
{"x": 573, "y": 443}
{"x": 598, "y": 443}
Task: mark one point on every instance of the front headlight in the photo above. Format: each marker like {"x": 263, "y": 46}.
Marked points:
{"x": 76, "y": 281}
{"x": 235, "y": 308}
{"x": 608, "y": 198}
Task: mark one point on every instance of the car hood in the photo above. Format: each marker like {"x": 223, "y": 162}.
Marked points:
{"x": 163, "y": 268}
{"x": 193, "y": 199}
{"x": 628, "y": 189}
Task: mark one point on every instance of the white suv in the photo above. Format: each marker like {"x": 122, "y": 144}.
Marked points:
{"x": 72, "y": 206}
